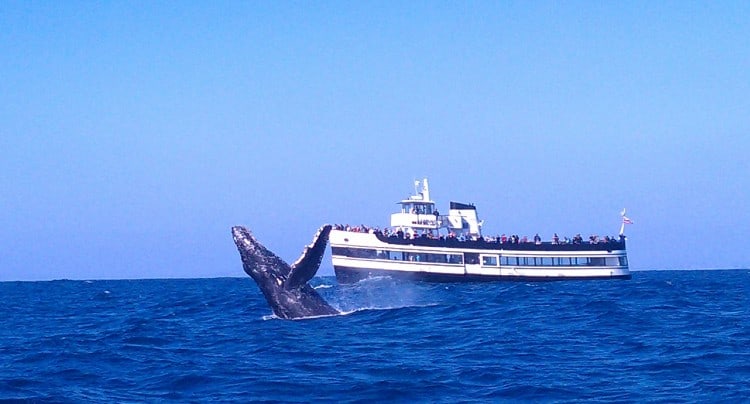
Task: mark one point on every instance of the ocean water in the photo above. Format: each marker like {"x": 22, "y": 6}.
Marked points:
{"x": 664, "y": 336}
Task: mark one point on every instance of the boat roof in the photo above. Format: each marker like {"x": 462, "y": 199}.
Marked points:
{"x": 462, "y": 206}
{"x": 405, "y": 201}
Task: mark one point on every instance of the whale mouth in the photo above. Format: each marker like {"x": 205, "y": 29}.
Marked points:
{"x": 240, "y": 233}
{"x": 245, "y": 242}
{"x": 251, "y": 252}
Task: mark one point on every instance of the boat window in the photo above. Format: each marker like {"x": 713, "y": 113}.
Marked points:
{"x": 406, "y": 208}
{"x": 355, "y": 252}
{"x": 489, "y": 260}
{"x": 560, "y": 261}
{"x": 419, "y": 208}
{"x": 455, "y": 258}
{"x": 471, "y": 258}
{"x": 436, "y": 258}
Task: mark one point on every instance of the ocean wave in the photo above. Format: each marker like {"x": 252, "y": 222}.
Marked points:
{"x": 662, "y": 336}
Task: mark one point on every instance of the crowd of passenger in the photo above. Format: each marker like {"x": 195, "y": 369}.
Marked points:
{"x": 501, "y": 239}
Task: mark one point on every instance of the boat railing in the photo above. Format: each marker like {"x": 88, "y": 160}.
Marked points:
{"x": 495, "y": 244}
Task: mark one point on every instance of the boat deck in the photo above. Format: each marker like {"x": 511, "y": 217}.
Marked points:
{"x": 612, "y": 245}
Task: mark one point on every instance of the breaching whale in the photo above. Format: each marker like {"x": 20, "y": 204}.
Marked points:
{"x": 285, "y": 287}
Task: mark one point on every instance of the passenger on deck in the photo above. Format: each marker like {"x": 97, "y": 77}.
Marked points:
{"x": 555, "y": 239}
{"x": 537, "y": 239}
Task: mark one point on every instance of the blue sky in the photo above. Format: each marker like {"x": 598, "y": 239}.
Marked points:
{"x": 135, "y": 134}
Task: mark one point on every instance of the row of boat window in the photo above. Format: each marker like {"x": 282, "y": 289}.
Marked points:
{"x": 474, "y": 258}
{"x": 398, "y": 255}
{"x": 492, "y": 260}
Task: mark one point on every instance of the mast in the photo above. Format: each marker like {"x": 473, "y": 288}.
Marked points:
{"x": 625, "y": 220}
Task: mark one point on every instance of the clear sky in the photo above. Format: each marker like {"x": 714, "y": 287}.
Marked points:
{"x": 133, "y": 135}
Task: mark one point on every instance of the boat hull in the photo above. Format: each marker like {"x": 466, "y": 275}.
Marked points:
{"x": 346, "y": 275}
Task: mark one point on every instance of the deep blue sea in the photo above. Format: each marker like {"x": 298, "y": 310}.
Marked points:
{"x": 664, "y": 336}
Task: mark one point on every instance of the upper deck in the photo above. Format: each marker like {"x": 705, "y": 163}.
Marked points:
{"x": 611, "y": 245}
{"x": 419, "y": 224}
{"x": 419, "y": 215}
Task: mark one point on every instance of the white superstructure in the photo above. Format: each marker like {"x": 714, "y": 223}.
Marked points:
{"x": 419, "y": 216}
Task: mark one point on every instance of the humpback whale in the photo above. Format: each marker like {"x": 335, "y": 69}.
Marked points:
{"x": 285, "y": 287}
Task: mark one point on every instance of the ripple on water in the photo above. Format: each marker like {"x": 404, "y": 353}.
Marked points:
{"x": 663, "y": 336}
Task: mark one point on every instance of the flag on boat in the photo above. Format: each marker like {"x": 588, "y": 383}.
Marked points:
{"x": 626, "y": 220}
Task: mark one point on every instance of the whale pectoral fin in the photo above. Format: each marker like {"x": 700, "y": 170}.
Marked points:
{"x": 308, "y": 263}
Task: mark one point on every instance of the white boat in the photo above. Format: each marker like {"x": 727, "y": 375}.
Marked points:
{"x": 421, "y": 244}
